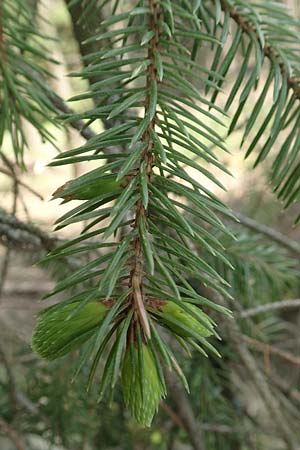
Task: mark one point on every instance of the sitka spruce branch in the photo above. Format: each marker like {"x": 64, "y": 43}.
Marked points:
{"x": 267, "y": 32}
{"x": 140, "y": 274}
{"x": 251, "y": 25}
{"x": 24, "y": 94}
{"x": 152, "y": 234}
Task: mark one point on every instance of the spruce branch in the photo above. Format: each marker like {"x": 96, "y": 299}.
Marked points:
{"x": 154, "y": 110}
{"x": 146, "y": 164}
{"x": 77, "y": 124}
{"x": 270, "y": 34}
{"x": 23, "y": 54}
{"x": 250, "y": 28}
{"x": 143, "y": 273}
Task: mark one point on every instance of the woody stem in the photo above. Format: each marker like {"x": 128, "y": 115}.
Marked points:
{"x": 147, "y": 159}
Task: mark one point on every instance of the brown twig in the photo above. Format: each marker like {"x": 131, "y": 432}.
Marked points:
{"x": 270, "y": 349}
{"x": 21, "y": 183}
{"x": 147, "y": 159}
{"x": 269, "y": 232}
{"x": 269, "y": 307}
{"x": 173, "y": 415}
{"x": 17, "y": 234}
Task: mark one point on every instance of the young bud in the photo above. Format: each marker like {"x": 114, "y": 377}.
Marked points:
{"x": 56, "y": 334}
{"x": 142, "y": 390}
{"x": 174, "y": 311}
{"x": 95, "y": 188}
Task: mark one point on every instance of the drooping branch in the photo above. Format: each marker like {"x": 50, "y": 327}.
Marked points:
{"x": 270, "y": 52}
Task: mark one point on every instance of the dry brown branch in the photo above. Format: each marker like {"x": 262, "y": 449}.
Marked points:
{"x": 173, "y": 415}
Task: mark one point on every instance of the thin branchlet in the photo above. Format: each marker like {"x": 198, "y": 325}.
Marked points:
{"x": 147, "y": 158}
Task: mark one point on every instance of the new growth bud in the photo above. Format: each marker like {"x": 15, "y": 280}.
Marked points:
{"x": 71, "y": 191}
{"x": 202, "y": 326}
{"x": 142, "y": 390}
{"x": 56, "y": 334}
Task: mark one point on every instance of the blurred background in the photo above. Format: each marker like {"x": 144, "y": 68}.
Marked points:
{"x": 41, "y": 409}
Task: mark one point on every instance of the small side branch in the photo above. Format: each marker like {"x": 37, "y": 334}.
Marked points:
{"x": 269, "y": 51}
{"x": 269, "y": 232}
{"x": 269, "y": 307}
{"x": 271, "y": 350}
{"x": 78, "y": 125}
{"x": 17, "y": 234}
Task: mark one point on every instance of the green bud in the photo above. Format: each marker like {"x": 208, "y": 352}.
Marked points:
{"x": 105, "y": 185}
{"x": 174, "y": 311}
{"x": 56, "y": 334}
{"x": 142, "y": 403}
